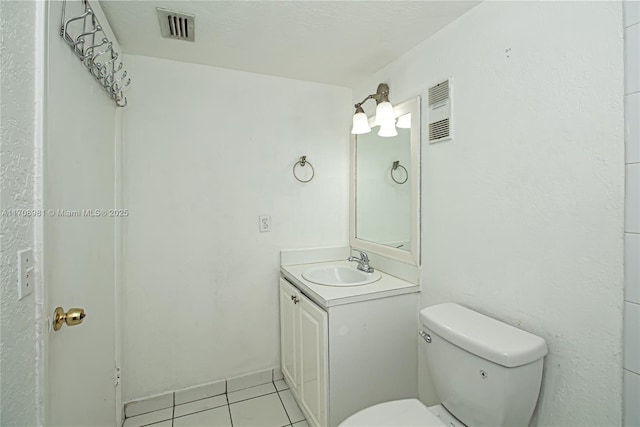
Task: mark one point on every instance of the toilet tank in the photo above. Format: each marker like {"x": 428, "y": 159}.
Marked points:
{"x": 485, "y": 372}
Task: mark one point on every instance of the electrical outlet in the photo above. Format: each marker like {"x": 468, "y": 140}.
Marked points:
{"x": 26, "y": 270}
{"x": 265, "y": 223}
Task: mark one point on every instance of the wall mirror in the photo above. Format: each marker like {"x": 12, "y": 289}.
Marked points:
{"x": 385, "y": 188}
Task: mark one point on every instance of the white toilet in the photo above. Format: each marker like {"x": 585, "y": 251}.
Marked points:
{"x": 485, "y": 372}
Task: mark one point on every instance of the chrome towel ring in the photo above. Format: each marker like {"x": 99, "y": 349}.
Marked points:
{"x": 395, "y": 166}
{"x": 302, "y": 163}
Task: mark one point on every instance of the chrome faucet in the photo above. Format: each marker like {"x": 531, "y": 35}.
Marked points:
{"x": 363, "y": 261}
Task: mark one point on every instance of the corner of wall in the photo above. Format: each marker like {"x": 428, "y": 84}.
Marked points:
{"x": 19, "y": 84}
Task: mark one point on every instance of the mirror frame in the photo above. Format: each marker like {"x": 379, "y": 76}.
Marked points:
{"x": 412, "y": 256}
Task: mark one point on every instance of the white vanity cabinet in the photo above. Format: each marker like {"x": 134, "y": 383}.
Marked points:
{"x": 341, "y": 355}
{"x": 304, "y": 344}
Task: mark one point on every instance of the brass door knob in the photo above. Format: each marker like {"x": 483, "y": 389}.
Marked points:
{"x": 72, "y": 317}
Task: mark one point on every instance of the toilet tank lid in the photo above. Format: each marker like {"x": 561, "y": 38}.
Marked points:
{"x": 483, "y": 336}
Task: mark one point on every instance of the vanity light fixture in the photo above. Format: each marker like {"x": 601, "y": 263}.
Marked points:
{"x": 360, "y": 122}
{"x": 385, "y": 117}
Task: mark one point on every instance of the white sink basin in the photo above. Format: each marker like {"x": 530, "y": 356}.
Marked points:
{"x": 338, "y": 275}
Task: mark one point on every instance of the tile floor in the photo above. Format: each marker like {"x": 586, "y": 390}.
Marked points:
{"x": 266, "y": 405}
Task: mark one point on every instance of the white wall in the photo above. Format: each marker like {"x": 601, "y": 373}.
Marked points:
{"x": 17, "y": 152}
{"x": 632, "y": 220}
{"x": 522, "y": 214}
{"x": 206, "y": 151}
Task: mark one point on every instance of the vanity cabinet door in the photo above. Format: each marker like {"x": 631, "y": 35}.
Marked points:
{"x": 314, "y": 345}
{"x": 289, "y": 332}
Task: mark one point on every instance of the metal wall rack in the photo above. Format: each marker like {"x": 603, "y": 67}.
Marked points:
{"x": 86, "y": 37}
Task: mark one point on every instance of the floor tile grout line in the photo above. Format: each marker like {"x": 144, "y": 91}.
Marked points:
{"x": 253, "y": 386}
{"x": 226, "y": 395}
{"x": 285, "y": 409}
{"x": 157, "y": 422}
{"x": 173, "y": 413}
{"x": 251, "y": 398}
{"x": 201, "y": 410}
{"x": 219, "y": 406}
{"x": 228, "y": 407}
{"x": 145, "y": 413}
{"x": 198, "y": 400}
{"x": 228, "y": 404}
{"x": 255, "y": 397}
{"x": 282, "y": 403}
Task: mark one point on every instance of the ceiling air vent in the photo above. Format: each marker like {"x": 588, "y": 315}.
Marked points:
{"x": 440, "y": 112}
{"x": 176, "y": 25}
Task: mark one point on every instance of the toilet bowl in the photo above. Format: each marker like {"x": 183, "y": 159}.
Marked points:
{"x": 485, "y": 373}
{"x": 407, "y": 412}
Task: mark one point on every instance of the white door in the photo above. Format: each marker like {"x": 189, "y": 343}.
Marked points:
{"x": 79, "y": 260}
{"x": 314, "y": 359}
{"x": 289, "y": 332}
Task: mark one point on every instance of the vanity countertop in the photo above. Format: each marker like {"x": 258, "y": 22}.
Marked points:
{"x": 330, "y": 296}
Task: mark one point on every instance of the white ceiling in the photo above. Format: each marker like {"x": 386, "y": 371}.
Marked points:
{"x": 335, "y": 42}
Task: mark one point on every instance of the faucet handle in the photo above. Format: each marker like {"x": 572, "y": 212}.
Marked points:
{"x": 363, "y": 255}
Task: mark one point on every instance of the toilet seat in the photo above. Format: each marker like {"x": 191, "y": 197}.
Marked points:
{"x": 408, "y": 412}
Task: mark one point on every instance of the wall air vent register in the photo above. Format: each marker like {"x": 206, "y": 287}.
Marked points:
{"x": 440, "y": 112}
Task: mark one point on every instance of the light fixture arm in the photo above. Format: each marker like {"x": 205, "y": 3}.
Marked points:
{"x": 381, "y": 95}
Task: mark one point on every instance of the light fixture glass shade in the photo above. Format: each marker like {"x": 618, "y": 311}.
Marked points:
{"x": 360, "y": 124}
{"x": 388, "y": 129}
{"x": 404, "y": 122}
{"x": 384, "y": 113}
